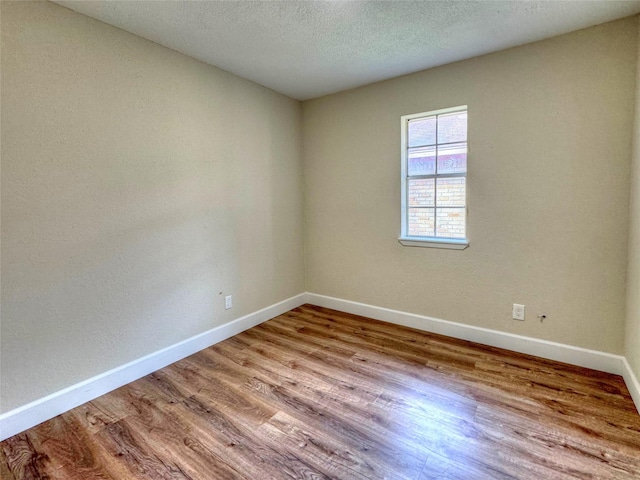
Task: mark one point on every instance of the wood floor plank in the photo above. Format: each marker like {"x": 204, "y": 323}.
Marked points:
{"x": 348, "y": 374}
{"x": 234, "y": 434}
{"x": 314, "y": 408}
{"x": 541, "y": 440}
{"x": 336, "y": 406}
{"x": 70, "y": 451}
{"x": 305, "y": 371}
{"x": 321, "y": 394}
{"x": 22, "y": 459}
{"x": 181, "y": 453}
{"x": 126, "y": 441}
{"x": 5, "y": 473}
{"x": 385, "y": 370}
{"x": 334, "y": 458}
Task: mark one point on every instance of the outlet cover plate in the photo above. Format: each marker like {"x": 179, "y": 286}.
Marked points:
{"x": 518, "y": 312}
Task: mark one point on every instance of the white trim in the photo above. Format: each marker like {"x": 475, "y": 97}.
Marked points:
{"x": 31, "y": 414}
{"x": 38, "y": 411}
{"x": 431, "y": 113}
{"x": 633, "y": 385}
{"x": 433, "y": 243}
{"x": 582, "y": 357}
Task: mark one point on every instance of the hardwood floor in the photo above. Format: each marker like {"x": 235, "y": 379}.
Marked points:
{"x": 320, "y": 394}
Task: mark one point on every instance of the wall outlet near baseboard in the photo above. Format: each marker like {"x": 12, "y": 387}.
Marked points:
{"x": 518, "y": 312}
{"x": 228, "y": 302}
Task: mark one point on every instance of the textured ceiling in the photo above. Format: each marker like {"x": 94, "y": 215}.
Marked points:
{"x": 307, "y": 49}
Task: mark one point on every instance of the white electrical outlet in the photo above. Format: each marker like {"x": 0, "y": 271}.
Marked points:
{"x": 228, "y": 302}
{"x": 518, "y": 311}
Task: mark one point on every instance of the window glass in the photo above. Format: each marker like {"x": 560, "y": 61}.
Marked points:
{"x": 434, "y": 175}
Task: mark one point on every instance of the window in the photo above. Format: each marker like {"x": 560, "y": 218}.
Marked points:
{"x": 434, "y": 179}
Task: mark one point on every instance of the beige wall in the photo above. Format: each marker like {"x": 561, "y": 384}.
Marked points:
{"x": 550, "y": 143}
{"x": 137, "y": 184}
{"x": 632, "y": 337}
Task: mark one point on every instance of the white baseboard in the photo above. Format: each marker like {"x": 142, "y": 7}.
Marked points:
{"x": 31, "y": 414}
{"x": 605, "y": 362}
{"x": 582, "y": 357}
{"x": 632, "y": 383}
{"x": 38, "y": 411}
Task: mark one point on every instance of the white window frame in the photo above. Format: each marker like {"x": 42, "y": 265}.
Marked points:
{"x": 418, "y": 241}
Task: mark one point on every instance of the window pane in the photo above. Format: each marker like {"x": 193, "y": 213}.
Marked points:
{"x": 421, "y": 222}
{"x": 421, "y": 192}
{"x": 452, "y": 158}
{"x": 422, "y": 131}
{"x": 450, "y": 222}
{"x": 452, "y": 127}
{"x": 422, "y": 161}
{"x": 451, "y": 192}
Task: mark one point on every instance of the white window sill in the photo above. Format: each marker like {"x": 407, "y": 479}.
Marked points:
{"x": 434, "y": 242}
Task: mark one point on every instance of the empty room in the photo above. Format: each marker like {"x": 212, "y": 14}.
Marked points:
{"x": 320, "y": 240}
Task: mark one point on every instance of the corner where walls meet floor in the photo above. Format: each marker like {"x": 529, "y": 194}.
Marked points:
{"x": 31, "y": 414}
